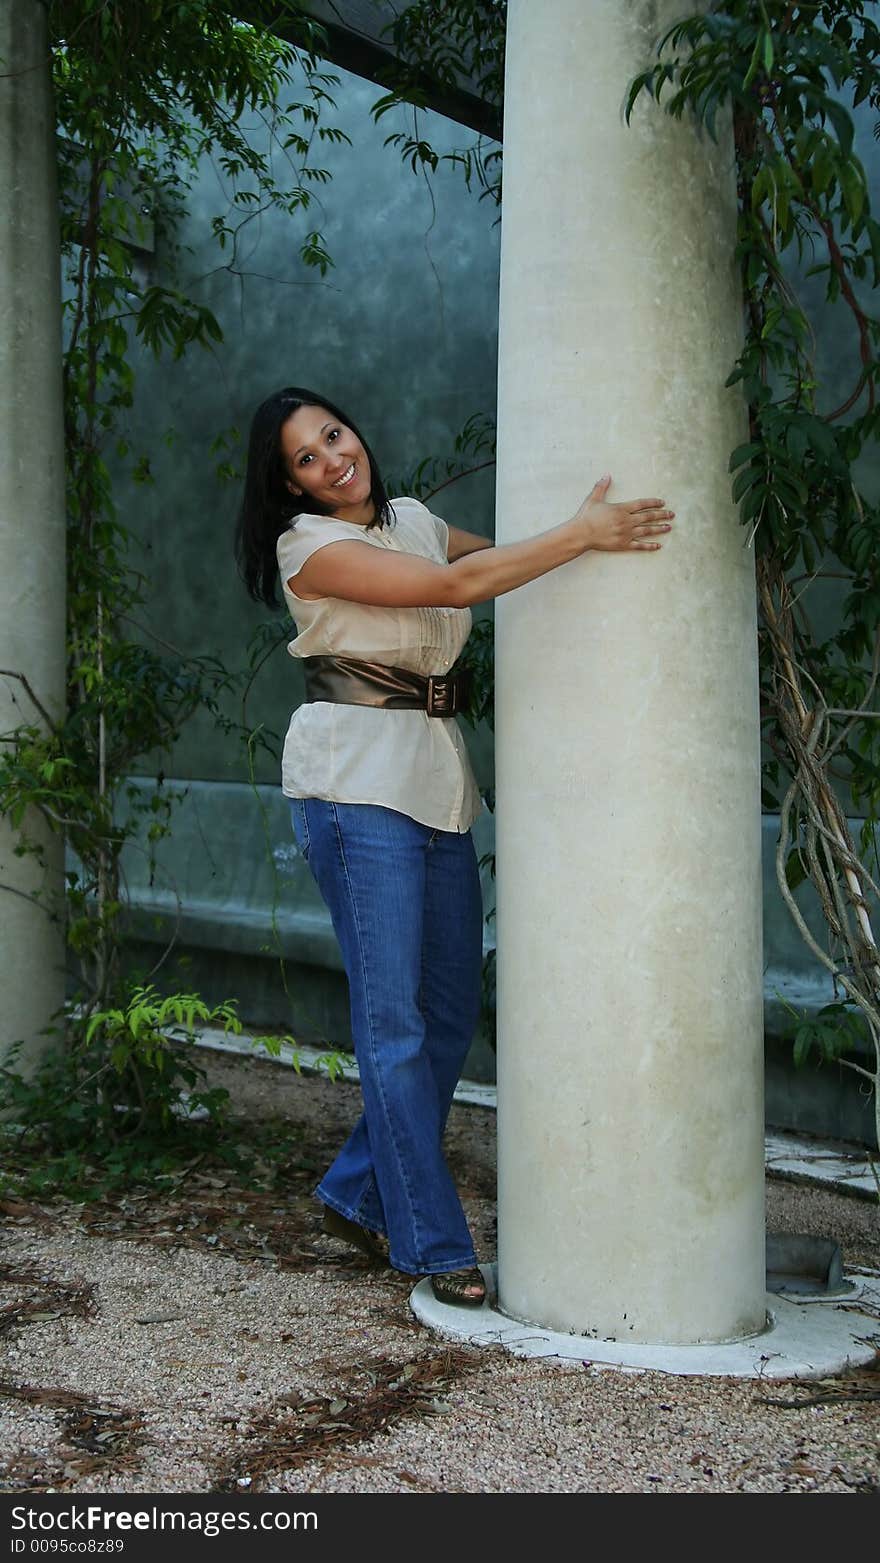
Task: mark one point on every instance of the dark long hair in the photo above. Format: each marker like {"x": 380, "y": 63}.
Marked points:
{"x": 268, "y": 507}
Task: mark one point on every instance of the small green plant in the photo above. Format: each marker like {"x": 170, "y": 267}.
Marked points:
{"x": 126, "y": 1100}
{"x": 146, "y": 1056}
{"x": 334, "y": 1063}
{"x": 111, "y": 1104}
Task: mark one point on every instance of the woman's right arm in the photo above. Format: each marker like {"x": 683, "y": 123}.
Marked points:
{"x": 357, "y": 572}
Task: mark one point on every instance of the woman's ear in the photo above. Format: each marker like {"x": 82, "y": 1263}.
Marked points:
{"x": 293, "y": 489}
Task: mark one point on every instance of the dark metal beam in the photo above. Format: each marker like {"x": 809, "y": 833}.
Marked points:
{"x": 355, "y": 41}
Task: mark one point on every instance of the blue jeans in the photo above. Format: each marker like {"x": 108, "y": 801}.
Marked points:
{"x": 407, "y": 910}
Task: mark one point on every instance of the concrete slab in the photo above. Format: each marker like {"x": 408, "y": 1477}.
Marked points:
{"x": 814, "y": 1161}
{"x": 803, "y": 1339}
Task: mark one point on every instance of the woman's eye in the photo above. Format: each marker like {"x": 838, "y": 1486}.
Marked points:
{"x": 333, "y": 435}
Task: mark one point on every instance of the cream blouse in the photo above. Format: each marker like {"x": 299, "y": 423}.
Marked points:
{"x": 406, "y": 760}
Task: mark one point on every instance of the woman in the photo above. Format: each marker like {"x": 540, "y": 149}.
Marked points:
{"x": 382, "y": 792}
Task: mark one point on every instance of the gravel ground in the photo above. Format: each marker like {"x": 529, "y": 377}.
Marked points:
{"x": 204, "y": 1338}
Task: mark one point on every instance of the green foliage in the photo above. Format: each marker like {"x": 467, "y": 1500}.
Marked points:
{"x": 836, "y": 1029}
{"x": 448, "y": 45}
{"x": 473, "y": 450}
{"x": 333, "y": 1063}
{"x": 113, "y": 1104}
{"x": 782, "y": 71}
{"x": 126, "y": 1099}
{"x": 160, "y": 82}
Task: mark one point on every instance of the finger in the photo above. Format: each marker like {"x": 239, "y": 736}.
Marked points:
{"x": 646, "y": 504}
{"x": 649, "y": 517}
{"x": 644, "y": 547}
{"x": 601, "y": 486}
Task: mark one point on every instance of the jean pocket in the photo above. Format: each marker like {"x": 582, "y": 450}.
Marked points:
{"x": 300, "y": 826}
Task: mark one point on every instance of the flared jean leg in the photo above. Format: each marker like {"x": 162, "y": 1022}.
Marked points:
{"x": 373, "y": 867}
{"x": 450, "y": 996}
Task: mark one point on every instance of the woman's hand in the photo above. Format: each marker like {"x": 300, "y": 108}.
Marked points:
{"x": 621, "y": 528}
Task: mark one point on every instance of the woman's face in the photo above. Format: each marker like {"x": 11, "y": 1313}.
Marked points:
{"x": 326, "y": 461}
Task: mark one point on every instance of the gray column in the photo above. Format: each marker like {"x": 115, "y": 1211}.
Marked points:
{"x": 31, "y": 504}
{"x": 629, "y": 905}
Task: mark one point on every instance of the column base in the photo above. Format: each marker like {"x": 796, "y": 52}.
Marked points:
{"x": 803, "y": 1339}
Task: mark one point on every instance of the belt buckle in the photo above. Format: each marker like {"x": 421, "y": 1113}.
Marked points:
{"x": 441, "y": 695}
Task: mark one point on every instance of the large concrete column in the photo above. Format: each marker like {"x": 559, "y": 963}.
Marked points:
{"x": 31, "y": 504}
{"x": 629, "y": 910}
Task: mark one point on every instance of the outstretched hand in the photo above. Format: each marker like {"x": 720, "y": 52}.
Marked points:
{"x": 621, "y": 528}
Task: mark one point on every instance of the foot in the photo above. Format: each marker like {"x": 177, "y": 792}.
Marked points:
{"x": 373, "y": 1244}
{"x": 461, "y": 1288}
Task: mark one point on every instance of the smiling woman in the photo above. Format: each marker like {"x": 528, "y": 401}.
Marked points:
{"x": 328, "y": 463}
{"x": 382, "y": 792}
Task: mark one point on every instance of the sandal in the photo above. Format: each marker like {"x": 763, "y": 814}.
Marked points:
{"x": 461, "y": 1288}
{"x": 373, "y": 1244}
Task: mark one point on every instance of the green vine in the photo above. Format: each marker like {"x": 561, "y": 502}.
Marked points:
{"x": 144, "y": 92}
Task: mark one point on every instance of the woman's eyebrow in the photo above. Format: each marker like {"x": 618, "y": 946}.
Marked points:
{"x": 321, "y": 431}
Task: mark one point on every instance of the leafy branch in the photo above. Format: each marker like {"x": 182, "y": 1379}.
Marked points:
{"x": 445, "y": 44}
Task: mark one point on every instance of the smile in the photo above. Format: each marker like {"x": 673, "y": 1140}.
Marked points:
{"x": 346, "y": 477}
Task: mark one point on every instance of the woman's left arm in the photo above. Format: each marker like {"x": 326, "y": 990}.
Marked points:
{"x": 461, "y": 543}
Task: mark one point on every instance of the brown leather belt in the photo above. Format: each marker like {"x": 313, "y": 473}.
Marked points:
{"x": 352, "y": 682}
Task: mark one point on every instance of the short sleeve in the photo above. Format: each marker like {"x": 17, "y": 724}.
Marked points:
{"x": 436, "y": 530}
{"x": 299, "y": 542}
{"x": 442, "y": 531}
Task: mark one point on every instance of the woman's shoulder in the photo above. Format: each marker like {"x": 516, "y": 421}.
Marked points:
{"x": 305, "y": 524}
{"x": 408, "y": 500}
{"x": 306, "y": 520}
{"x": 416, "y": 508}
{"x": 305, "y": 533}
{"x": 425, "y": 531}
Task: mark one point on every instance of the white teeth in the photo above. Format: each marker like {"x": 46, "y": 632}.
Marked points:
{"x": 346, "y": 477}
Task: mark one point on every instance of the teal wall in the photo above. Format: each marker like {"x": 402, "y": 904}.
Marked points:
{"x": 401, "y": 331}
